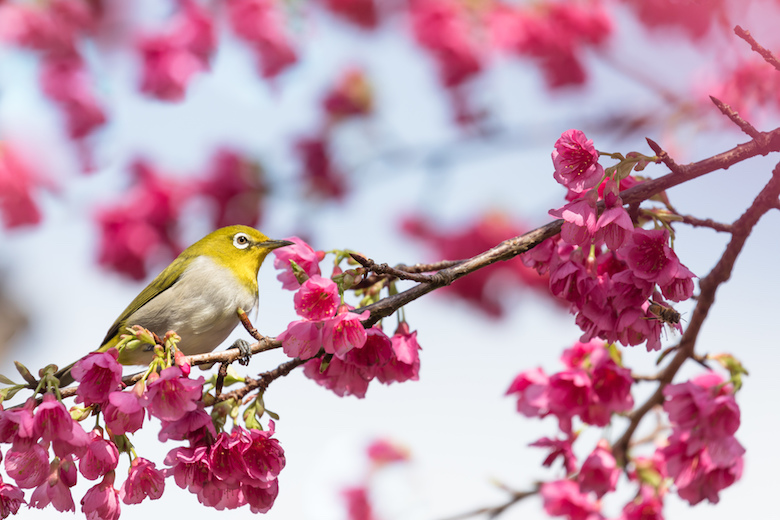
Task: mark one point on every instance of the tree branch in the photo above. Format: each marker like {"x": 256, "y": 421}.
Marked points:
{"x": 765, "y": 53}
{"x": 719, "y": 274}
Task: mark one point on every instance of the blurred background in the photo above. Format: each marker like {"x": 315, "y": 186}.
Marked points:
{"x": 408, "y": 131}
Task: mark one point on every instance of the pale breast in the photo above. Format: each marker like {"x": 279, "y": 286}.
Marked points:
{"x": 200, "y": 307}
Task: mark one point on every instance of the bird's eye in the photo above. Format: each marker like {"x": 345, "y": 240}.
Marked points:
{"x": 241, "y": 241}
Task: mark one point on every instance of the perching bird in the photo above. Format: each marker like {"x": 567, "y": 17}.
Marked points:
{"x": 197, "y": 295}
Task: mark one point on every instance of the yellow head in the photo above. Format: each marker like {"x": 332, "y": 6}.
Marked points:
{"x": 241, "y": 249}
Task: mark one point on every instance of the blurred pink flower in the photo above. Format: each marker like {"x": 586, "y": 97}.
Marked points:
{"x": 559, "y": 448}
{"x": 358, "y": 503}
{"x": 64, "y": 79}
{"x": 319, "y": 172}
{"x": 260, "y": 24}
{"x": 383, "y": 451}
{"x": 236, "y": 186}
{"x": 362, "y": 13}
{"x": 172, "y": 58}
{"x": 442, "y": 28}
{"x": 351, "y": 96}
{"x": 599, "y": 472}
{"x": 532, "y": 387}
{"x": 563, "y": 498}
{"x": 17, "y": 182}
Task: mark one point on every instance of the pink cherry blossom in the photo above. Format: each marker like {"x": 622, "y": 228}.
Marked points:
{"x": 645, "y": 506}
{"x": 304, "y": 257}
{"x": 11, "y": 498}
{"x": 559, "y": 448}
{"x": 302, "y": 339}
{"x": 226, "y": 458}
{"x": 171, "y": 395}
{"x": 260, "y": 499}
{"x": 56, "y": 489}
{"x": 98, "y": 373}
{"x": 599, "y": 472}
{"x": 576, "y": 161}
{"x": 579, "y": 217}
{"x": 27, "y": 463}
{"x": 610, "y": 390}
{"x": 260, "y": 24}
{"x": 52, "y": 420}
{"x": 144, "y": 480}
{"x": 18, "y": 423}
{"x": 563, "y": 498}
{"x": 123, "y": 413}
{"x": 264, "y": 457}
{"x": 614, "y": 226}
{"x": 100, "y": 457}
{"x": 532, "y": 387}
{"x": 317, "y": 299}
{"x": 649, "y": 256}
{"x": 576, "y": 356}
{"x": 193, "y": 424}
{"x": 344, "y": 332}
{"x": 404, "y": 364}
{"x": 71, "y": 445}
{"x": 101, "y": 502}
{"x": 569, "y": 394}
{"x": 340, "y": 377}
{"x": 681, "y": 286}
{"x": 190, "y": 467}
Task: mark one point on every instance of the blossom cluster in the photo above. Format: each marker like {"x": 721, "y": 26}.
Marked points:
{"x": 703, "y": 456}
{"x": 49, "y": 447}
{"x": 700, "y": 457}
{"x": 352, "y": 355}
{"x": 609, "y": 270}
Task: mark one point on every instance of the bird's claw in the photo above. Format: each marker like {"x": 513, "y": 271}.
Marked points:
{"x": 245, "y": 348}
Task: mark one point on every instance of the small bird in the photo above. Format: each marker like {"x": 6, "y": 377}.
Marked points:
{"x": 197, "y": 295}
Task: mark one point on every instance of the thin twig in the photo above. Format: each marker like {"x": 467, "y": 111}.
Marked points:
{"x": 765, "y": 53}
{"x": 719, "y": 274}
{"x": 494, "y": 511}
{"x": 708, "y": 223}
{"x": 732, "y": 114}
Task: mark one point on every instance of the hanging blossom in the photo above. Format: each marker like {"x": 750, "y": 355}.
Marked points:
{"x": 607, "y": 270}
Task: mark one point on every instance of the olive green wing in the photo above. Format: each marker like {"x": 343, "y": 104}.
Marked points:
{"x": 164, "y": 281}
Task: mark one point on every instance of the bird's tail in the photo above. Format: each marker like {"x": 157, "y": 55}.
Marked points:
{"x": 64, "y": 375}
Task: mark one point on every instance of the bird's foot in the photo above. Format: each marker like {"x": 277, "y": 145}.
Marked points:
{"x": 245, "y": 348}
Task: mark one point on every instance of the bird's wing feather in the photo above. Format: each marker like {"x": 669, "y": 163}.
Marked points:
{"x": 164, "y": 281}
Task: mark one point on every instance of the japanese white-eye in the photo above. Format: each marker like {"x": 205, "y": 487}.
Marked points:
{"x": 197, "y": 295}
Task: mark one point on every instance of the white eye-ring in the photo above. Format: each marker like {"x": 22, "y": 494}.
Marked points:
{"x": 241, "y": 240}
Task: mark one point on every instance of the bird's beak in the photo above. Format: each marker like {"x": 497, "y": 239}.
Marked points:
{"x": 275, "y": 244}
